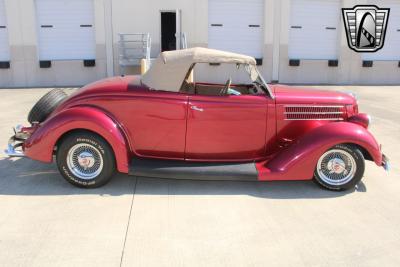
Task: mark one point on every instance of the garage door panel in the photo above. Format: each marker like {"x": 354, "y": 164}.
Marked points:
{"x": 4, "y": 45}
{"x": 61, "y": 35}
{"x": 313, "y": 32}
{"x": 233, "y": 31}
{"x": 316, "y": 9}
{"x": 391, "y": 48}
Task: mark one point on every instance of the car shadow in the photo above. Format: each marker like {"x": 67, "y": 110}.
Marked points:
{"x": 26, "y": 177}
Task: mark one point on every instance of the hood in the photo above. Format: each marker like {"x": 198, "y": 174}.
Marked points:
{"x": 299, "y": 95}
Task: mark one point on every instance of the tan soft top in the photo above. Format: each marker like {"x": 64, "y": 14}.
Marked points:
{"x": 170, "y": 68}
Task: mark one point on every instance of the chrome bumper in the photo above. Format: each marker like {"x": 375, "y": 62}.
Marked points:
{"x": 15, "y": 143}
{"x": 385, "y": 162}
{"x": 14, "y": 149}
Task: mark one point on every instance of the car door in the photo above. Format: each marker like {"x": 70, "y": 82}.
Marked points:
{"x": 226, "y": 128}
{"x": 154, "y": 121}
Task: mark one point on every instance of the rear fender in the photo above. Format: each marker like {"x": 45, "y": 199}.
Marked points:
{"x": 41, "y": 144}
{"x": 299, "y": 160}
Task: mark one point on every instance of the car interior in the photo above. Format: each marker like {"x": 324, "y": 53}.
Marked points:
{"x": 200, "y": 82}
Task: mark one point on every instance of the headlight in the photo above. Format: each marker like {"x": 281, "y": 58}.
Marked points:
{"x": 361, "y": 119}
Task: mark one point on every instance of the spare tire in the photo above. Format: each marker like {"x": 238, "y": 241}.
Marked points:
{"x": 46, "y": 105}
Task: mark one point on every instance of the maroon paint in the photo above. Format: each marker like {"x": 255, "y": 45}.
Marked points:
{"x": 226, "y": 127}
{"x": 299, "y": 160}
{"x": 361, "y": 119}
{"x": 42, "y": 142}
{"x": 140, "y": 122}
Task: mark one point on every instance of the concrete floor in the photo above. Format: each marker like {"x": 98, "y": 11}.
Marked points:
{"x": 44, "y": 221}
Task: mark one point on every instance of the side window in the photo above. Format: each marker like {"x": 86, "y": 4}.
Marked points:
{"x": 219, "y": 80}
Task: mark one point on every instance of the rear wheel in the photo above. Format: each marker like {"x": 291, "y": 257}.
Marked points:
{"x": 85, "y": 160}
{"x": 340, "y": 168}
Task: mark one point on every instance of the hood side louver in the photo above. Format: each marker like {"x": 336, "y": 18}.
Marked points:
{"x": 334, "y": 113}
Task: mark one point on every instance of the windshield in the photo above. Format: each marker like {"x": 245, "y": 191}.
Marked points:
{"x": 257, "y": 78}
{"x": 237, "y": 74}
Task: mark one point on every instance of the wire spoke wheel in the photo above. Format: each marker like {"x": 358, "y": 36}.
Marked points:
{"x": 336, "y": 167}
{"x": 84, "y": 161}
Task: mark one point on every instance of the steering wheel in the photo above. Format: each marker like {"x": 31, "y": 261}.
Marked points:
{"x": 224, "y": 91}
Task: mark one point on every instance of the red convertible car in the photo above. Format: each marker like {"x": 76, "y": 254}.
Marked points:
{"x": 169, "y": 123}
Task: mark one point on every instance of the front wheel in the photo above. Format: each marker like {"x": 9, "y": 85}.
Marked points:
{"x": 340, "y": 168}
{"x": 85, "y": 160}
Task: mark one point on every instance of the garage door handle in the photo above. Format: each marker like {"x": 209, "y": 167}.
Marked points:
{"x": 254, "y": 26}
{"x": 86, "y": 26}
{"x": 2, "y": 27}
{"x": 46, "y": 26}
{"x": 296, "y": 27}
{"x": 217, "y": 25}
{"x": 330, "y": 28}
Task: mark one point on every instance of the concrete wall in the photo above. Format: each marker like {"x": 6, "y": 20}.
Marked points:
{"x": 145, "y": 16}
{"x": 131, "y": 16}
{"x": 25, "y": 71}
{"x": 349, "y": 71}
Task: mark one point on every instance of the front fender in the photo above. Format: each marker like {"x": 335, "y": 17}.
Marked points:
{"x": 41, "y": 144}
{"x": 298, "y": 161}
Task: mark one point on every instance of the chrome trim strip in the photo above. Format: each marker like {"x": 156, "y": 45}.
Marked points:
{"x": 311, "y": 106}
{"x": 314, "y": 119}
{"x": 311, "y": 113}
{"x": 314, "y": 112}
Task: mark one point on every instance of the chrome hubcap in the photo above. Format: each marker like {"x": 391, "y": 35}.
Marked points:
{"x": 336, "y": 167}
{"x": 85, "y": 161}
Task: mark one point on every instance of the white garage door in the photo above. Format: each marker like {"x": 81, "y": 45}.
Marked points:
{"x": 391, "y": 47}
{"x": 66, "y": 29}
{"x": 236, "y": 26}
{"x": 314, "y": 27}
{"x": 4, "y": 46}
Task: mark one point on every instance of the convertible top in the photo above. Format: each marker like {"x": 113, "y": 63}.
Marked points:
{"x": 170, "y": 68}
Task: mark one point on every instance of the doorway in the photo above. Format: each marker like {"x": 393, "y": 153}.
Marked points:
{"x": 168, "y": 31}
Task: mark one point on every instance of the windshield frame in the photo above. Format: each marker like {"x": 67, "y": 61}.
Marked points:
{"x": 259, "y": 80}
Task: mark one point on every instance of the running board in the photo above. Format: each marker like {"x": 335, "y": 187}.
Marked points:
{"x": 173, "y": 169}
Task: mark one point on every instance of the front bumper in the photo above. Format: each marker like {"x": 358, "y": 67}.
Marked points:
{"x": 385, "y": 162}
{"x": 14, "y": 148}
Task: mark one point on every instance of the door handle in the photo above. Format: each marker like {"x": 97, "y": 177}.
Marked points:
{"x": 196, "y": 108}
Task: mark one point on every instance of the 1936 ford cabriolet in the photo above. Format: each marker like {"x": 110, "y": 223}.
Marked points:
{"x": 168, "y": 123}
